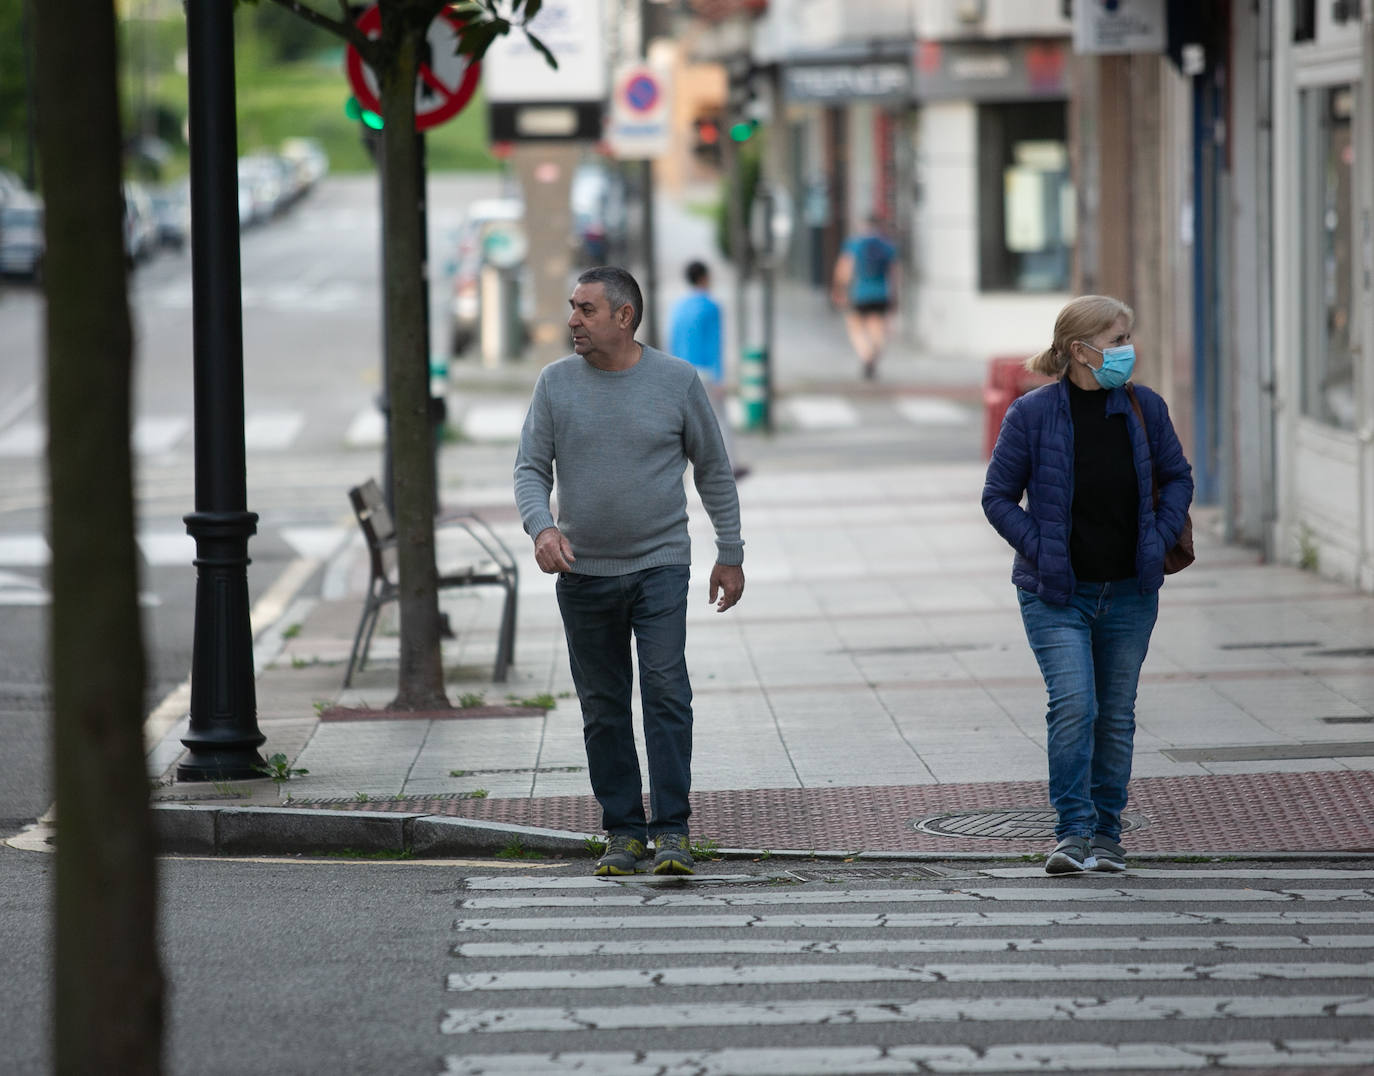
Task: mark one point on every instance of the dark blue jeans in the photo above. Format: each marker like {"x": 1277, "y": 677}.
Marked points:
{"x": 1090, "y": 653}
{"x": 600, "y": 614}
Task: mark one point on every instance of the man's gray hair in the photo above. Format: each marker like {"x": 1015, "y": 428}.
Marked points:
{"x": 621, "y": 289}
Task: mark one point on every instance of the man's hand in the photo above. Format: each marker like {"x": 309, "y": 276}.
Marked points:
{"x": 727, "y": 580}
{"x": 553, "y": 552}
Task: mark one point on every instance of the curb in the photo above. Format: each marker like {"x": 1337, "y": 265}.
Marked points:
{"x": 188, "y": 829}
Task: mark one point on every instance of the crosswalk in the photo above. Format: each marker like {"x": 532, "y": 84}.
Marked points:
{"x": 484, "y": 420}
{"x": 989, "y": 971}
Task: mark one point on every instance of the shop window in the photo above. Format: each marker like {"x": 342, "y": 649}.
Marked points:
{"x": 1025, "y": 199}
{"x": 1328, "y": 157}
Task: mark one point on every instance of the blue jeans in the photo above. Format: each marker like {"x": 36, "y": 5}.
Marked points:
{"x": 600, "y": 613}
{"x": 1090, "y": 653}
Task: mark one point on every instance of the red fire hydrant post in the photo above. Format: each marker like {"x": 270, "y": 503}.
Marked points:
{"x": 1008, "y": 378}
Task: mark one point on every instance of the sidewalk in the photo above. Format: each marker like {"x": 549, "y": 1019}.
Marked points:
{"x": 872, "y": 693}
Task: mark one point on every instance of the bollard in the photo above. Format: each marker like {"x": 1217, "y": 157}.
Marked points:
{"x": 753, "y": 387}
{"x": 1007, "y": 379}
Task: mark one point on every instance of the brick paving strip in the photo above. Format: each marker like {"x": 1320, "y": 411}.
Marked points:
{"x": 1327, "y": 811}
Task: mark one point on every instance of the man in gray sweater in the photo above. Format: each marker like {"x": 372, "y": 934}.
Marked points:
{"x": 621, "y": 421}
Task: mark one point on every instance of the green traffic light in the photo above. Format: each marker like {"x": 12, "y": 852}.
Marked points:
{"x": 741, "y": 131}
{"x": 352, "y": 109}
{"x": 373, "y": 120}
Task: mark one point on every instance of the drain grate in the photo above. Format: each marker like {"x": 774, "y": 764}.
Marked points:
{"x": 1006, "y": 824}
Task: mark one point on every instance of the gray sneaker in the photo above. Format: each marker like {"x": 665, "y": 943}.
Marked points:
{"x": 673, "y": 855}
{"x": 1072, "y": 855}
{"x": 1108, "y": 856}
{"x": 622, "y": 856}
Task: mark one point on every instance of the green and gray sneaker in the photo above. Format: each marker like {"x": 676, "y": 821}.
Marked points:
{"x": 622, "y": 855}
{"x": 673, "y": 855}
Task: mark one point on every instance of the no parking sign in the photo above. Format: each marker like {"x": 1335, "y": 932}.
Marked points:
{"x": 445, "y": 83}
{"x": 640, "y": 100}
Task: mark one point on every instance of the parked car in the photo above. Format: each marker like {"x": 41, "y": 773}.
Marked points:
{"x": 21, "y": 235}
{"x": 308, "y": 160}
{"x": 265, "y": 185}
{"x": 465, "y": 303}
{"x": 140, "y": 225}
{"x": 172, "y": 212}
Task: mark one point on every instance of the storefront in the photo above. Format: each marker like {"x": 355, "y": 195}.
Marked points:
{"x": 1323, "y": 296}
{"x": 995, "y": 210}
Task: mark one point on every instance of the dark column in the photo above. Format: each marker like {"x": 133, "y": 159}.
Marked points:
{"x": 223, "y": 737}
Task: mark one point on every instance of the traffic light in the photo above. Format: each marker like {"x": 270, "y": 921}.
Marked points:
{"x": 743, "y": 103}
{"x": 355, "y": 111}
{"x": 706, "y": 143}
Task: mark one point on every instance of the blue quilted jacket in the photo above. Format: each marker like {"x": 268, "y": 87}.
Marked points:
{"x": 1034, "y": 456}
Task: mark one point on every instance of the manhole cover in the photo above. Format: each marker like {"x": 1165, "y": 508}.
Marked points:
{"x": 1006, "y": 824}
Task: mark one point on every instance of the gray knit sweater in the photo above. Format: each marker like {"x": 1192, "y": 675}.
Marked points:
{"x": 621, "y": 441}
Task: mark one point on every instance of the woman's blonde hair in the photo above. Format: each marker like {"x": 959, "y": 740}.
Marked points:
{"x": 1081, "y": 319}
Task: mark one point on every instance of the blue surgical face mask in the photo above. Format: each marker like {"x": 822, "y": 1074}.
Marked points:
{"x": 1117, "y": 364}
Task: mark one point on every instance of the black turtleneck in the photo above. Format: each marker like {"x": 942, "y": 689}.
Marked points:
{"x": 1106, "y": 502}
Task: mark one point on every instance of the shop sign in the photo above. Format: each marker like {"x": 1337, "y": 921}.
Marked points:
{"x": 1102, "y": 27}
{"x": 847, "y": 82}
{"x": 1008, "y": 71}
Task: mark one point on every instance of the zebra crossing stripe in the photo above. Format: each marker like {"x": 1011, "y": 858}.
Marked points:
{"x": 588, "y": 881}
{"x": 268, "y": 430}
{"x": 1052, "y": 894}
{"x": 917, "y": 921}
{"x": 882, "y": 1060}
{"x": 801, "y": 974}
{"x": 822, "y": 412}
{"x": 1138, "y": 1008}
{"x": 367, "y": 430}
{"x": 663, "y": 947}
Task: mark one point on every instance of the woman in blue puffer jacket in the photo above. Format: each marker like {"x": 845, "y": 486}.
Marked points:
{"x": 1090, "y": 548}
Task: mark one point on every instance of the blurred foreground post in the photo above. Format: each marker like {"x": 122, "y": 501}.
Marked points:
{"x": 107, "y": 999}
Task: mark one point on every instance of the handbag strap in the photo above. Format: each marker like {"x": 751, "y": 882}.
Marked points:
{"x": 1154, "y": 478}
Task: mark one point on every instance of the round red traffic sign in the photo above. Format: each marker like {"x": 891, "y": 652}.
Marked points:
{"x": 641, "y": 92}
{"x": 446, "y": 81}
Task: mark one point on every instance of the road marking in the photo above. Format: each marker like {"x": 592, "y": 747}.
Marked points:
{"x": 584, "y": 881}
{"x": 838, "y": 947}
{"x": 1138, "y": 1008}
{"x": 24, "y": 551}
{"x": 495, "y": 421}
{"x": 879, "y": 1061}
{"x": 23, "y": 439}
{"x": 931, "y": 411}
{"x": 800, "y": 974}
{"x": 821, "y": 412}
{"x": 17, "y": 404}
{"x": 1051, "y": 893}
{"x": 315, "y": 543}
{"x": 271, "y": 430}
{"x": 157, "y": 435}
{"x": 17, "y": 589}
{"x": 164, "y": 548}
{"x": 367, "y": 430}
{"x": 918, "y": 921}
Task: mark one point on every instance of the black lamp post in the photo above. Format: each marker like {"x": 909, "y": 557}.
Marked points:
{"x": 223, "y": 739}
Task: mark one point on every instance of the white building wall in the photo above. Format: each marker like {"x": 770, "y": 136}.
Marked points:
{"x": 954, "y": 319}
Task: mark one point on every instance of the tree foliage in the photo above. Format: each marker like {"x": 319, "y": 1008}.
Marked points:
{"x": 394, "y": 57}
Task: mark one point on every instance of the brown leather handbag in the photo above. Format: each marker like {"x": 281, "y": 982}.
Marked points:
{"x": 1181, "y": 555}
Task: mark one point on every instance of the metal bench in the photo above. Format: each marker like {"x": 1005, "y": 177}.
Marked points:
{"x": 493, "y": 566}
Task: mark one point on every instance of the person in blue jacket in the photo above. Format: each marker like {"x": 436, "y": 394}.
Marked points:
{"x": 1089, "y": 561}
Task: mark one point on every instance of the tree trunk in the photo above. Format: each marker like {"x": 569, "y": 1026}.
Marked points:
{"x": 108, "y": 984}
{"x": 421, "y": 677}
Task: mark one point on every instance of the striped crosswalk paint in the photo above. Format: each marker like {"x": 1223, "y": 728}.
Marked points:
{"x": 653, "y": 946}
{"x": 821, "y": 412}
{"x": 881, "y": 1060}
{"x": 741, "y": 946}
{"x": 497, "y": 421}
{"x": 802, "y": 974}
{"x": 834, "y": 1012}
{"x": 1056, "y": 894}
{"x": 919, "y": 921}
